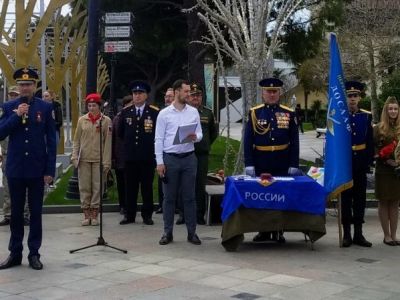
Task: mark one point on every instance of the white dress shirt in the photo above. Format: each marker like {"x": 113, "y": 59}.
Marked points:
{"x": 168, "y": 121}
{"x": 141, "y": 108}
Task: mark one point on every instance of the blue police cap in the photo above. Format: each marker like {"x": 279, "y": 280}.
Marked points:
{"x": 271, "y": 83}
{"x": 354, "y": 87}
{"x": 140, "y": 86}
{"x": 25, "y": 75}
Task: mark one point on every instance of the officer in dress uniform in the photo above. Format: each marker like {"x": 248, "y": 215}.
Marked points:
{"x": 271, "y": 141}
{"x": 354, "y": 199}
{"x": 29, "y": 123}
{"x": 137, "y": 126}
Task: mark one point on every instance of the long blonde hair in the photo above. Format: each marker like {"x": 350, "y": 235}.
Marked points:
{"x": 386, "y": 125}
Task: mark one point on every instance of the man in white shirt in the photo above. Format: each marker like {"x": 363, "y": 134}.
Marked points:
{"x": 176, "y": 162}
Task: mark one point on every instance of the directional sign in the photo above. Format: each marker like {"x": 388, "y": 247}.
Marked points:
{"x": 117, "y": 31}
{"x": 117, "y": 46}
{"x": 119, "y": 18}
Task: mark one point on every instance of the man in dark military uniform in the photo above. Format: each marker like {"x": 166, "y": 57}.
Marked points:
{"x": 354, "y": 199}
{"x": 271, "y": 141}
{"x": 137, "y": 126}
{"x": 202, "y": 148}
{"x": 29, "y": 124}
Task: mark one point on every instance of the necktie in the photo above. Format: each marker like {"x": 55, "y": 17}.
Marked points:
{"x": 138, "y": 114}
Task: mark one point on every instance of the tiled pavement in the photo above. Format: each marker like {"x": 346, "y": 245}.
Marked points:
{"x": 184, "y": 271}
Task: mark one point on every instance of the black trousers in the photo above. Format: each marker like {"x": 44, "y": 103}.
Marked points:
{"x": 201, "y": 177}
{"x": 120, "y": 178}
{"x": 354, "y": 200}
{"x": 139, "y": 173}
{"x": 19, "y": 187}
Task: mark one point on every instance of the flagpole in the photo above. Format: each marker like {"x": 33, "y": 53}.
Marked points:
{"x": 339, "y": 218}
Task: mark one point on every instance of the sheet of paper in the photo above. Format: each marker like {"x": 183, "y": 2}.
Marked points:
{"x": 182, "y": 133}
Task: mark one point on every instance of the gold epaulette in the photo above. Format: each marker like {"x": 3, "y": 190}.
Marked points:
{"x": 154, "y": 107}
{"x": 285, "y": 107}
{"x": 128, "y": 106}
{"x": 257, "y": 106}
{"x": 365, "y": 111}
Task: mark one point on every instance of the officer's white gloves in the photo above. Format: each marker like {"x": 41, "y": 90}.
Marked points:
{"x": 294, "y": 172}
{"x": 250, "y": 171}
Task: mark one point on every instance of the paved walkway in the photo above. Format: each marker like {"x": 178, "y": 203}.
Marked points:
{"x": 184, "y": 271}
{"x": 311, "y": 147}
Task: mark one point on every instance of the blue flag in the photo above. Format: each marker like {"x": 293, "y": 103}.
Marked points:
{"x": 338, "y": 162}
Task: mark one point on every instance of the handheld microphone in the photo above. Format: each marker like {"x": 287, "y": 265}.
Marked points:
{"x": 24, "y": 116}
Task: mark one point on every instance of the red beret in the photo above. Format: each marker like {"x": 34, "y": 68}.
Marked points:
{"x": 93, "y": 98}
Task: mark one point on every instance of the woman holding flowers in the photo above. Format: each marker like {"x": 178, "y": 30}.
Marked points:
{"x": 387, "y": 184}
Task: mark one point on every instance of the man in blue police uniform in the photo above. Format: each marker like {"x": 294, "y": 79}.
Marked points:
{"x": 137, "y": 126}
{"x": 271, "y": 141}
{"x": 29, "y": 123}
{"x": 354, "y": 199}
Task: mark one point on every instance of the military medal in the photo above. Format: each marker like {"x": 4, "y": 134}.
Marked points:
{"x": 148, "y": 124}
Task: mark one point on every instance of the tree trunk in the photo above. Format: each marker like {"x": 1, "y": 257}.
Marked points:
{"x": 306, "y": 93}
{"x": 196, "y": 29}
{"x": 248, "y": 81}
{"x": 374, "y": 94}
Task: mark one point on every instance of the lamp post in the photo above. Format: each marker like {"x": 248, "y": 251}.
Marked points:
{"x": 93, "y": 46}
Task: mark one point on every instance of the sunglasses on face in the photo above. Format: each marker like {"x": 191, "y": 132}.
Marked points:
{"x": 354, "y": 95}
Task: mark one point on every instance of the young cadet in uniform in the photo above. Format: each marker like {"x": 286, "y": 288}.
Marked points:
{"x": 271, "y": 141}
{"x": 13, "y": 93}
{"x": 29, "y": 124}
{"x": 202, "y": 148}
{"x": 354, "y": 199}
{"x": 136, "y": 127}
{"x": 86, "y": 156}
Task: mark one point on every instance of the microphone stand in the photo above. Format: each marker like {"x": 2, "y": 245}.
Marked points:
{"x": 100, "y": 239}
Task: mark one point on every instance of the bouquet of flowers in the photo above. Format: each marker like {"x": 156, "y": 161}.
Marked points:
{"x": 387, "y": 152}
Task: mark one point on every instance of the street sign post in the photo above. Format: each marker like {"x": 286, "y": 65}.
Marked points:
{"x": 119, "y": 18}
{"x": 117, "y": 46}
{"x": 117, "y": 31}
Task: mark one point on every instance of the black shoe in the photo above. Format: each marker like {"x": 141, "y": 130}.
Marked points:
{"x": 361, "y": 241}
{"x": 26, "y": 222}
{"x": 180, "y": 221}
{"x": 159, "y": 211}
{"x": 5, "y": 222}
{"x": 390, "y": 243}
{"x": 34, "y": 262}
{"x": 347, "y": 242}
{"x": 126, "y": 220}
{"x": 194, "y": 239}
{"x": 166, "y": 239}
{"x": 148, "y": 221}
{"x": 11, "y": 261}
{"x": 262, "y": 237}
{"x": 201, "y": 221}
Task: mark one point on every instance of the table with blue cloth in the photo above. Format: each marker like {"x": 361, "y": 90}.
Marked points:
{"x": 295, "y": 204}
